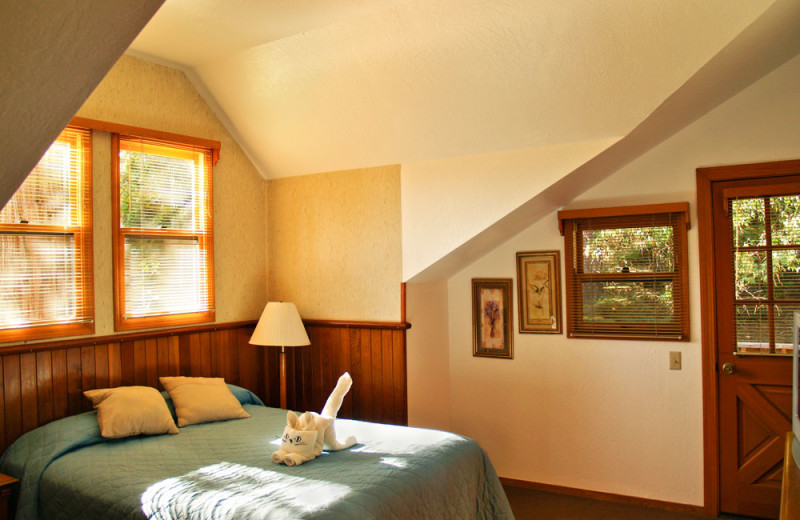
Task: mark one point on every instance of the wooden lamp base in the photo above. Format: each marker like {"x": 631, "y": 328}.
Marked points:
{"x": 282, "y": 357}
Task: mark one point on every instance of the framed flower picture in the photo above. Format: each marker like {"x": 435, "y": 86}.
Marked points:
{"x": 539, "y": 292}
{"x": 492, "y": 314}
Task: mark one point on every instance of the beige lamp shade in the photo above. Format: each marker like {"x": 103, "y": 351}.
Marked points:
{"x": 280, "y": 326}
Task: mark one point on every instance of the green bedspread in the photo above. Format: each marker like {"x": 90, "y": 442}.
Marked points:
{"x": 223, "y": 471}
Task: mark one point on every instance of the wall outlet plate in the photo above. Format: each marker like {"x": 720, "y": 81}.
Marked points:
{"x": 674, "y": 360}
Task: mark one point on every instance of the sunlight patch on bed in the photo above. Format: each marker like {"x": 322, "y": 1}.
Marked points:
{"x": 392, "y": 440}
{"x": 394, "y": 461}
{"x": 227, "y": 491}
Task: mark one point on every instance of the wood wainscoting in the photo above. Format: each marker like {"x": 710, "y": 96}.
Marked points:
{"x": 44, "y": 381}
{"x": 373, "y": 353}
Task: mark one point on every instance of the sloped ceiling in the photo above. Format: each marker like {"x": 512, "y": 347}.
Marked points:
{"x": 325, "y": 85}
{"x": 53, "y": 54}
{"x": 764, "y": 45}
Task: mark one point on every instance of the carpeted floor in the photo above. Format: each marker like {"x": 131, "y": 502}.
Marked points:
{"x": 540, "y": 505}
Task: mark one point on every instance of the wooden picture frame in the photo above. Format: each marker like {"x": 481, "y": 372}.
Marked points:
{"x": 539, "y": 292}
{"x": 492, "y": 314}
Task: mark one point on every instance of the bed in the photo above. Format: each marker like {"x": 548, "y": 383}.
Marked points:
{"x": 222, "y": 470}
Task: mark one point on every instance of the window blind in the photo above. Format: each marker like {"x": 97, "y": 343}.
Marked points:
{"x": 164, "y": 235}
{"x": 626, "y": 276}
{"x": 46, "y": 286}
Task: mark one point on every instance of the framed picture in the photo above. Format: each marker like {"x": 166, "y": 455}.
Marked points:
{"x": 492, "y": 314}
{"x": 539, "y": 292}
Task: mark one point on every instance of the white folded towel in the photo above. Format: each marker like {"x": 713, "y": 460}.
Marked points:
{"x": 277, "y": 457}
{"x": 334, "y": 401}
{"x": 304, "y": 437}
{"x": 295, "y": 459}
{"x": 298, "y": 441}
{"x": 330, "y": 410}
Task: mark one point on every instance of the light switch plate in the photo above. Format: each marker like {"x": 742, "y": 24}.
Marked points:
{"x": 674, "y": 360}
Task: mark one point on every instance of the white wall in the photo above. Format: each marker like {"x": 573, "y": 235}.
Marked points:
{"x": 475, "y": 191}
{"x": 609, "y": 415}
{"x": 588, "y": 414}
{"x": 427, "y": 355}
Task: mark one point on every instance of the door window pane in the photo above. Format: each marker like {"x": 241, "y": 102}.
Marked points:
{"x": 752, "y": 329}
{"x": 783, "y": 328}
{"x": 748, "y": 222}
{"x": 750, "y": 269}
{"x": 785, "y": 220}
{"x": 786, "y": 275}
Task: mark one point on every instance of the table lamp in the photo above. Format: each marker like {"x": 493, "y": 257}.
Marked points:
{"x": 280, "y": 326}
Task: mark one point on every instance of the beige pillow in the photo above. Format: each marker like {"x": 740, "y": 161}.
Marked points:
{"x": 202, "y": 399}
{"x": 131, "y": 410}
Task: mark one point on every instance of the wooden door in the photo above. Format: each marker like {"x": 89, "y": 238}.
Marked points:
{"x": 757, "y": 261}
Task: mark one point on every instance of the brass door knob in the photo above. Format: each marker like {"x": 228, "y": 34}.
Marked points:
{"x": 728, "y": 369}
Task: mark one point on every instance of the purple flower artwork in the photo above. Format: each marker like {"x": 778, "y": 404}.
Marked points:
{"x": 492, "y": 311}
{"x": 491, "y": 318}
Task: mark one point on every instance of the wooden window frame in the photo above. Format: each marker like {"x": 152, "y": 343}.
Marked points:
{"x": 568, "y": 219}
{"x": 205, "y": 239}
{"x": 83, "y": 248}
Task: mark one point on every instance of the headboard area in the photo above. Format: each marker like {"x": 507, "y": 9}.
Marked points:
{"x": 45, "y": 381}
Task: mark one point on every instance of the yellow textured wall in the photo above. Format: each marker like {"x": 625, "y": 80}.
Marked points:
{"x": 140, "y": 93}
{"x": 335, "y": 245}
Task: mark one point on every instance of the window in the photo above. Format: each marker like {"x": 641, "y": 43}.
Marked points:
{"x": 46, "y": 287}
{"x": 626, "y": 272}
{"x": 765, "y": 243}
{"x": 163, "y": 237}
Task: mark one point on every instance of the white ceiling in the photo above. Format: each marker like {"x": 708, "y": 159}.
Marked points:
{"x": 320, "y": 85}
{"x": 194, "y": 32}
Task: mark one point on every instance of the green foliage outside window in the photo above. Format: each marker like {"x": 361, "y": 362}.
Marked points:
{"x": 150, "y": 199}
{"x": 766, "y": 258}
{"x": 157, "y": 193}
{"x": 631, "y": 250}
